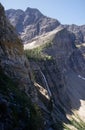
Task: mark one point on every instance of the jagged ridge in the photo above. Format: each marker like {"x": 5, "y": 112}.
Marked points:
{"x": 30, "y": 23}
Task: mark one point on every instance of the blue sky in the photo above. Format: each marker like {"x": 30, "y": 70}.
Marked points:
{"x": 66, "y": 11}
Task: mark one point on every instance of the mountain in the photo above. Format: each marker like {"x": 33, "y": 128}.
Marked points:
{"x": 16, "y": 109}
{"x": 30, "y": 23}
{"x": 42, "y": 86}
{"x": 58, "y": 67}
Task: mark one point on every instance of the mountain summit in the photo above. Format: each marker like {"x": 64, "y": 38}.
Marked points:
{"x": 30, "y": 23}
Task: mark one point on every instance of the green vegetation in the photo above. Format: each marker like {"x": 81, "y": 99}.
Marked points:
{"x": 37, "y": 53}
{"x": 79, "y": 125}
{"x": 21, "y": 107}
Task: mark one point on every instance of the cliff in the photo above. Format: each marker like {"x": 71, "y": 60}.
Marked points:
{"x": 79, "y": 32}
{"x": 17, "y": 112}
{"x": 58, "y": 67}
{"x": 12, "y": 59}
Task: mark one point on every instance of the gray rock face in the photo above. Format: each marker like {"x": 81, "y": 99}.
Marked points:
{"x": 12, "y": 59}
{"x": 60, "y": 74}
{"x": 79, "y": 32}
{"x": 58, "y": 80}
{"x": 63, "y": 48}
{"x": 32, "y": 23}
{"x": 16, "y": 110}
{"x": 30, "y": 20}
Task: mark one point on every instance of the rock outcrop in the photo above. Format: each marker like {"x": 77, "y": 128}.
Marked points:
{"x": 12, "y": 59}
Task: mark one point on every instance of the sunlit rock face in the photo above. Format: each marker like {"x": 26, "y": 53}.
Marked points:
{"x": 33, "y": 21}
{"x": 30, "y": 23}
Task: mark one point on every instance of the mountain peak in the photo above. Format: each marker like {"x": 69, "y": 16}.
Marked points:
{"x": 31, "y": 23}
{"x": 31, "y": 9}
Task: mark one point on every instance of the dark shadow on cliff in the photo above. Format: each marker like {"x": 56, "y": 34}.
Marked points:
{"x": 67, "y": 90}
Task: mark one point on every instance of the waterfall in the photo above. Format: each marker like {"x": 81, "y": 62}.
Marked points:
{"x": 47, "y": 87}
{"x": 81, "y": 77}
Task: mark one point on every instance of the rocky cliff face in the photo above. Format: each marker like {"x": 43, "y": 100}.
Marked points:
{"x": 30, "y": 20}
{"x": 58, "y": 74}
{"x": 16, "y": 109}
{"x": 58, "y": 67}
{"x": 12, "y": 60}
{"x": 63, "y": 49}
{"x": 79, "y": 32}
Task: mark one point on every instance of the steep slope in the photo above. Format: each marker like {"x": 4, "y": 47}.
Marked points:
{"x": 12, "y": 60}
{"x": 79, "y": 32}
{"x": 31, "y": 24}
{"x": 58, "y": 72}
{"x": 58, "y": 67}
{"x": 17, "y": 112}
{"x": 33, "y": 21}
{"x": 30, "y": 20}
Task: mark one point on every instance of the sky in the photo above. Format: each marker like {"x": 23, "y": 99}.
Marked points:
{"x": 66, "y": 11}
